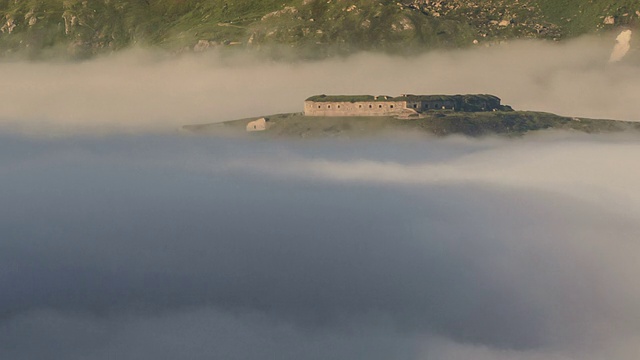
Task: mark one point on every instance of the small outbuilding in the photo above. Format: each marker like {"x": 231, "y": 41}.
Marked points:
{"x": 257, "y": 125}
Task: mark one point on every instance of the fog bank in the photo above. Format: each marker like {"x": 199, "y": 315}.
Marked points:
{"x": 140, "y": 91}
{"x": 147, "y": 247}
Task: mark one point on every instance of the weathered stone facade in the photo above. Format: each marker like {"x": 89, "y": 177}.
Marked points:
{"x": 359, "y": 108}
{"x": 405, "y": 105}
{"x": 257, "y": 125}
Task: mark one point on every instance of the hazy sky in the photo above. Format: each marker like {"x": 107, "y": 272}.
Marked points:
{"x": 163, "y": 247}
{"x": 141, "y": 91}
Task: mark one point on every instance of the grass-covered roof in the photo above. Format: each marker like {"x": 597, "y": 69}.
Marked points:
{"x": 346, "y": 98}
{"x": 367, "y": 98}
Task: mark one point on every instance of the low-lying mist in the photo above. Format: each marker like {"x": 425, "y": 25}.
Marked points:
{"x": 141, "y": 91}
{"x": 160, "y": 247}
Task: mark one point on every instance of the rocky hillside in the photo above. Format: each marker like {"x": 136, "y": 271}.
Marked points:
{"x": 82, "y": 28}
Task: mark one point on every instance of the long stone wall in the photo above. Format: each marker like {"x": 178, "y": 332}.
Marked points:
{"x": 364, "y": 108}
{"x": 406, "y": 105}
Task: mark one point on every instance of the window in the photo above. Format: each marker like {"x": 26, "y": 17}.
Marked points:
{"x": 328, "y": 106}
{"x": 391, "y": 106}
{"x": 380, "y": 106}
{"x": 319, "y": 106}
{"x": 370, "y": 106}
{"x": 338, "y": 106}
{"x": 415, "y": 106}
{"x": 360, "y": 106}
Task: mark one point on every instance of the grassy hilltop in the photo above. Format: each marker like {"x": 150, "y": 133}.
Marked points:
{"x": 440, "y": 123}
{"x": 82, "y": 28}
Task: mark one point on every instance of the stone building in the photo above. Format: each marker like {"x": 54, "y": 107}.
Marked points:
{"x": 257, "y": 125}
{"x": 404, "y": 105}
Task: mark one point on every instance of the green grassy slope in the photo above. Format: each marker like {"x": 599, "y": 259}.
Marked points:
{"x": 81, "y": 28}
{"x": 581, "y": 16}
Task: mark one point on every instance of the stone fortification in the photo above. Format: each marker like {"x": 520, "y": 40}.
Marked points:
{"x": 405, "y": 105}
{"x": 357, "y": 108}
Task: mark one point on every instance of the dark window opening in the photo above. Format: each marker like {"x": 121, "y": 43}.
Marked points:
{"x": 391, "y": 106}
{"x": 415, "y": 106}
{"x": 370, "y": 106}
{"x": 380, "y": 106}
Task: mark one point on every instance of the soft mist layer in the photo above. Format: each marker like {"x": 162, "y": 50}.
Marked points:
{"x": 142, "y": 91}
{"x": 158, "y": 247}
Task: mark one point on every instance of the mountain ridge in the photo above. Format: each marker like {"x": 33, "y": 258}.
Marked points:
{"x": 312, "y": 28}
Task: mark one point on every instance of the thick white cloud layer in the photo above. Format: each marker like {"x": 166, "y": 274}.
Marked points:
{"x": 551, "y": 163}
{"x": 142, "y": 91}
{"x": 158, "y": 247}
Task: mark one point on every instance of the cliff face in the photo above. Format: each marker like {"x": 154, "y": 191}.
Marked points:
{"x": 81, "y": 28}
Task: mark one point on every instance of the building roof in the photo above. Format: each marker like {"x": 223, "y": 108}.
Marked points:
{"x": 347, "y": 98}
{"x": 407, "y": 97}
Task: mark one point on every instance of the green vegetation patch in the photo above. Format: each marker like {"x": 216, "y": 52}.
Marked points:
{"x": 470, "y": 98}
{"x": 409, "y": 97}
{"x": 296, "y": 28}
{"x": 341, "y": 98}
